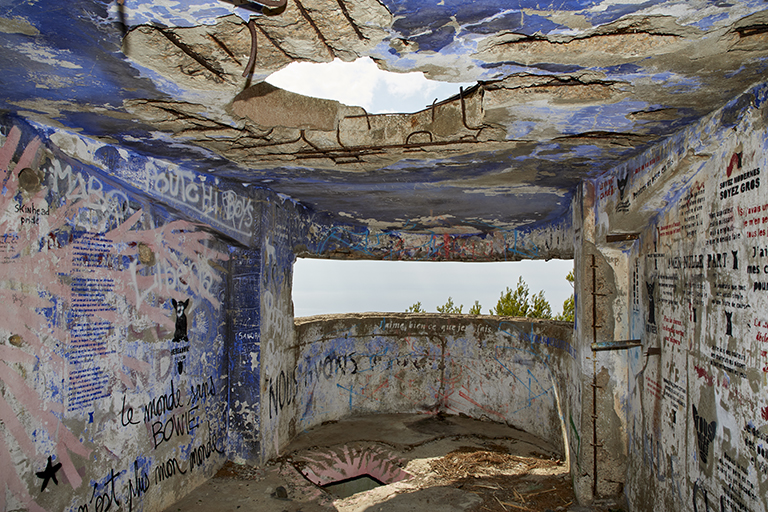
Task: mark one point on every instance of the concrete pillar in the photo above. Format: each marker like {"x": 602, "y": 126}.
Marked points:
{"x": 278, "y": 347}
{"x": 262, "y": 364}
{"x": 602, "y": 292}
{"x": 244, "y": 355}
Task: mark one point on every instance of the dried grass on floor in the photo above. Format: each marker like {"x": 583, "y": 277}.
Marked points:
{"x": 521, "y": 492}
{"x": 469, "y": 461}
{"x": 505, "y": 482}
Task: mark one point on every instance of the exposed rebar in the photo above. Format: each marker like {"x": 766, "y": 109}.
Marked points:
{"x": 594, "y": 380}
{"x": 252, "y": 59}
{"x": 312, "y": 23}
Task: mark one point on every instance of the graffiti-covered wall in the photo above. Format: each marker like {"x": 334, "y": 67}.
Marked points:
{"x": 279, "y": 226}
{"x": 334, "y": 240}
{"x": 695, "y": 294}
{"x": 112, "y": 338}
{"x": 288, "y": 230}
{"x": 147, "y": 332}
{"x": 501, "y": 369}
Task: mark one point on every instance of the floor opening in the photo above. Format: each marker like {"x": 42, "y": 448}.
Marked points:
{"x": 350, "y": 486}
{"x": 450, "y": 464}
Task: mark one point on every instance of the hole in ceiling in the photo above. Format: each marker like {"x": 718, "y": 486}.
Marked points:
{"x": 361, "y": 83}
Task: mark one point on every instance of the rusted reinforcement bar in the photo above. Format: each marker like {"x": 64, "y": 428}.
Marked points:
{"x": 615, "y": 345}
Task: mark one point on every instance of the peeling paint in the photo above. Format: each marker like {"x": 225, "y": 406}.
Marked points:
{"x": 155, "y": 194}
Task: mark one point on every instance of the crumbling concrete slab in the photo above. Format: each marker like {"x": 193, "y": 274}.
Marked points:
{"x": 460, "y": 482}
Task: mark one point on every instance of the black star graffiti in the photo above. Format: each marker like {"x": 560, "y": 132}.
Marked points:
{"x": 49, "y": 473}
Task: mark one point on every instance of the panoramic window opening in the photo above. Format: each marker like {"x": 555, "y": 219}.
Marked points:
{"x": 361, "y": 83}
{"x": 357, "y": 286}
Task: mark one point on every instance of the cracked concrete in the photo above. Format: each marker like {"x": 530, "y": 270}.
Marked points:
{"x": 399, "y": 442}
{"x": 560, "y": 89}
{"x": 278, "y": 125}
{"x": 204, "y": 57}
{"x": 273, "y": 127}
{"x": 270, "y": 106}
{"x": 587, "y": 124}
{"x": 600, "y": 50}
{"x": 215, "y": 56}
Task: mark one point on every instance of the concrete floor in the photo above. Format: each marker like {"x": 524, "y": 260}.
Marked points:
{"x": 449, "y": 464}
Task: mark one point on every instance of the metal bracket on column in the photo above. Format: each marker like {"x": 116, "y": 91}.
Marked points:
{"x": 615, "y": 345}
{"x": 622, "y": 237}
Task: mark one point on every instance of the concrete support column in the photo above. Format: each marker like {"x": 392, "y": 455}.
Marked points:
{"x": 602, "y": 282}
{"x": 244, "y": 276}
{"x": 243, "y": 355}
{"x": 261, "y": 355}
{"x": 279, "y": 352}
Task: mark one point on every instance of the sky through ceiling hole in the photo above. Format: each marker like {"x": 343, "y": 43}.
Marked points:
{"x": 361, "y": 83}
{"x": 323, "y": 286}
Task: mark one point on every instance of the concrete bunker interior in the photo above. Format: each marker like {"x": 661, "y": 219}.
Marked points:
{"x": 156, "y": 194}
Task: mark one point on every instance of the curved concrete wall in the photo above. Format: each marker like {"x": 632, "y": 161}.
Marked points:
{"x": 518, "y": 371}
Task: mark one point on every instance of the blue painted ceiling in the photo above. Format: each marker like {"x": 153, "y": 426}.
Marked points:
{"x": 566, "y": 90}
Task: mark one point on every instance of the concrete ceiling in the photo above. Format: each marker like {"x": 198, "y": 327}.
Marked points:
{"x": 565, "y": 90}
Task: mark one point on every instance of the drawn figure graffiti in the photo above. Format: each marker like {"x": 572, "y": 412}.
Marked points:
{"x": 180, "y": 333}
{"x": 179, "y": 352}
{"x": 651, "y": 303}
{"x": 729, "y": 323}
{"x": 621, "y": 183}
{"x": 734, "y": 161}
{"x": 705, "y": 433}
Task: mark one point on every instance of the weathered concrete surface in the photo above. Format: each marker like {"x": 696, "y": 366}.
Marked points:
{"x": 269, "y": 106}
{"x": 564, "y": 92}
{"x": 516, "y": 371}
{"x": 689, "y": 402}
{"x": 150, "y": 223}
{"x": 112, "y": 385}
{"x": 198, "y": 57}
{"x": 412, "y": 440}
